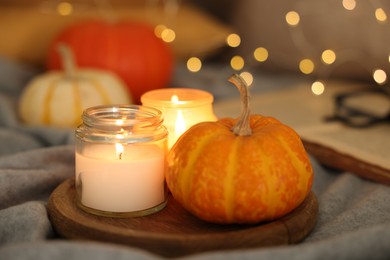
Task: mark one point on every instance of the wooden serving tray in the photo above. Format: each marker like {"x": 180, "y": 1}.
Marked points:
{"x": 173, "y": 231}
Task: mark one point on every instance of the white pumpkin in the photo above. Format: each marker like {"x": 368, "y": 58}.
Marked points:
{"x": 58, "y": 98}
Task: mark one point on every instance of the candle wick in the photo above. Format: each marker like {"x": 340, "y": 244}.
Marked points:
{"x": 120, "y": 156}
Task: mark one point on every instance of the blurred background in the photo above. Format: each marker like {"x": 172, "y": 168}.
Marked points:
{"x": 312, "y": 39}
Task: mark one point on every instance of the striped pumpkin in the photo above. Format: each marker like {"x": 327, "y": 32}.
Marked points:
{"x": 58, "y": 98}
{"x": 249, "y": 170}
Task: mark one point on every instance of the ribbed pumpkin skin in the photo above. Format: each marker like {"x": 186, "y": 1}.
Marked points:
{"x": 223, "y": 178}
{"x": 52, "y": 99}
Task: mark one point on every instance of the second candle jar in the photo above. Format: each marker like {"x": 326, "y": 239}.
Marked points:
{"x": 120, "y": 161}
{"x": 181, "y": 108}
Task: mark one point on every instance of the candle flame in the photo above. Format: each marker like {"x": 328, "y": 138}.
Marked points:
{"x": 119, "y": 150}
{"x": 180, "y": 126}
{"x": 175, "y": 99}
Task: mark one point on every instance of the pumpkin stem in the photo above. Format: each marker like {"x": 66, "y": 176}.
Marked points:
{"x": 67, "y": 59}
{"x": 242, "y": 127}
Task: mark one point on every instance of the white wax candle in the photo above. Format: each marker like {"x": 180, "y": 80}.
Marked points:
{"x": 130, "y": 181}
{"x": 181, "y": 108}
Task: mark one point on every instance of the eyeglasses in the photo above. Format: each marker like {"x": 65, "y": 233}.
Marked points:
{"x": 363, "y": 108}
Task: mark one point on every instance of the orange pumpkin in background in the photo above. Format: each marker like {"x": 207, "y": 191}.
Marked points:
{"x": 248, "y": 170}
{"x": 129, "y": 49}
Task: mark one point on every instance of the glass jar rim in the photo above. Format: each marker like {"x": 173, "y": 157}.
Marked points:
{"x": 121, "y": 115}
{"x": 186, "y": 97}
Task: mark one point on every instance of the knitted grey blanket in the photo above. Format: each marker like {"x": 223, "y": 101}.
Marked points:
{"x": 353, "y": 221}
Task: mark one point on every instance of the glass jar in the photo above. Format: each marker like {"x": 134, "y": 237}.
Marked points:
{"x": 120, "y": 160}
{"x": 181, "y": 108}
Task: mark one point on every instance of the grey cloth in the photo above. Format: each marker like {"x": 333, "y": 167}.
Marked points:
{"x": 353, "y": 221}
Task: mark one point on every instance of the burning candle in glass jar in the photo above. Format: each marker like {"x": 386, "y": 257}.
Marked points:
{"x": 120, "y": 160}
{"x": 181, "y": 108}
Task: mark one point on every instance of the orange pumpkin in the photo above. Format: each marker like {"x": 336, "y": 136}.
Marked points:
{"x": 129, "y": 49}
{"x": 245, "y": 170}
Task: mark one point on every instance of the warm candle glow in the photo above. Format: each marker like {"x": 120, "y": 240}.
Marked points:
{"x": 181, "y": 108}
{"x": 175, "y": 99}
{"x": 120, "y": 161}
{"x": 129, "y": 184}
{"x": 180, "y": 126}
{"x": 119, "y": 150}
